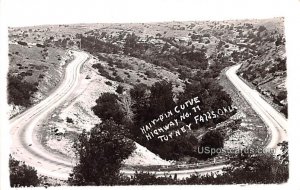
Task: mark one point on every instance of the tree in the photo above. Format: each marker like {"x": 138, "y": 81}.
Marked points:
{"x": 101, "y": 153}
{"x": 131, "y": 43}
{"x": 22, "y": 175}
{"x": 161, "y": 98}
{"x": 247, "y": 167}
{"x": 126, "y": 104}
{"x": 108, "y": 108}
{"x": 139, "y": 107}
{"x": 211, "y": 141}
{"x": 211, "y": 96}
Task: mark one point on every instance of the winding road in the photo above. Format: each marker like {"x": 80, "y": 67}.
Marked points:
{"x": 25, "y": 147}
{"x": 275, "y": 121}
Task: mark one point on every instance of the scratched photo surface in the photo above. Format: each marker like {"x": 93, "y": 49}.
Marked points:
{"x": 182, "y": 103}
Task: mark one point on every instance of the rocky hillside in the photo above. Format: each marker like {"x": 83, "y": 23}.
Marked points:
{"x": 266, "y": 67}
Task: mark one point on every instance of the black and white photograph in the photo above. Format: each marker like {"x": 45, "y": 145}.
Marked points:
{"x": 158, "y": 102}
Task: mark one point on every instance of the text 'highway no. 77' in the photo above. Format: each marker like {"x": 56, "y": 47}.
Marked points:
{"x": 160, "y": 132}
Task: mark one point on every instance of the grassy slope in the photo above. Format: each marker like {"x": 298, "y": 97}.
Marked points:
{"x": 39, "y": 66}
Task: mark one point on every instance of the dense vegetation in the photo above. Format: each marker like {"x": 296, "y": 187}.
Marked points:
{"x": 258, "y": 169}
{"x": 149, "y": 102}
{"x": 22, "y": 175}
{"x": 92, "y": 44}
{"x": 193, "y": 65}
{"x": 19, "y": 91}
{"x": 210, "y": 140}
{"x": 266, "y": 68}
{"x": 100, "y": 153}
{"x": 108, "y": 108}
{"x": 246, "y": 168}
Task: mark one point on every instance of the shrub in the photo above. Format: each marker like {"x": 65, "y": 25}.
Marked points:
{"x": 108, "y": 108}
{"x": 108, "y": 83}
{"x": 102, "y": 71}
{"x": 22, "y": 43}
{"x": 69, "y": 120}
{"x": 150, "y": 74}
{"x": 119, "y": 79}
{"x": 120, "y": 89}
{"x": 284, "y": 110}
{"x": 40, "y": 45}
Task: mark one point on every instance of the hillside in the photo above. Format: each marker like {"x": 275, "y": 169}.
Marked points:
{"x": 146, "y": 69}
{"x": 33, "y": 72}
{"x": 266, "y": 69}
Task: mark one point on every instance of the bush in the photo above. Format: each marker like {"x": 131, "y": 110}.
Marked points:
{"x": 102, "y": 71}
{"x": 22, "y": 43}
{"x": 284, "y": 110}
{"x": 118, "y": 79}
{"x": 250, "y": 169}
{"x": 108, "y": 108}
{"x": 108, "y": 83}
{"x": 40, "y": 45}
{"x": 69, "y": 120}
{"x": 120, "y": 89}
{"x": 150, "y": 74}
